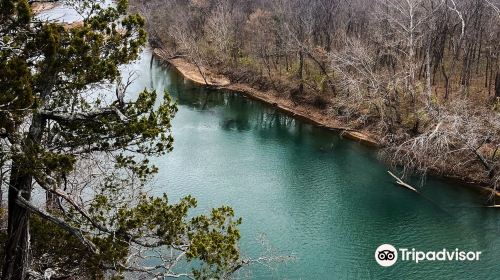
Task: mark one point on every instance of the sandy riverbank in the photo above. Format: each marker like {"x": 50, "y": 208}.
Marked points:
{"x": 38, "y": 7}
{"x": 306, "y": 113}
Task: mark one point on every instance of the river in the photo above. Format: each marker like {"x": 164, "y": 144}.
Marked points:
{"x": 304, "y": 191}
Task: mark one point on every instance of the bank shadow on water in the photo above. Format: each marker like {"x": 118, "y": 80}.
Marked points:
{"x": 326, "y": 200}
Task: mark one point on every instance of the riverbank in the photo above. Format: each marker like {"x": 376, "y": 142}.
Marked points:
{"x": 38, "y": 7}
{"x": 303, "y": 112}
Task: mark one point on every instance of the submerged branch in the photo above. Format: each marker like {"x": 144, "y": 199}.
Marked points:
{"x": 401, "y": 182}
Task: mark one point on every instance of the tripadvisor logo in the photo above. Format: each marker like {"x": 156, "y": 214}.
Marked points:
{"x": 387, "y": 255}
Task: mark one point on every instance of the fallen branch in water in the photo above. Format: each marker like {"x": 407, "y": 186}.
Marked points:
{"x": 401, "y": 182}
{"x": 493, "y": 206}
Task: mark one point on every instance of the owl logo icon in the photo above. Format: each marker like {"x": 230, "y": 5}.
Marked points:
{"x": 386, "y": 255}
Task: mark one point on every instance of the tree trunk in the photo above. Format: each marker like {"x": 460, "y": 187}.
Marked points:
{"x": 1, "y": 180}
{"x": 17, "y": 245}
{"x": 428, "y": 75}
{"x": 301, "y": 72}
{"x": 51, "y": 201}
{"x": 497, "y": 85}
{"x": 446, "y": 82}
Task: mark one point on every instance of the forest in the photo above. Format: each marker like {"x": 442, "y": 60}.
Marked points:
{"x": 422, "y": 76}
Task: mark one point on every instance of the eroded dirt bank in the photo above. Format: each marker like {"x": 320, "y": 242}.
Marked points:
{"x": 273, "y": 98}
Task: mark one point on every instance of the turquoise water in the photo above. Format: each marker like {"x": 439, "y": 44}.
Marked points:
{"x": 304, "y": 191}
